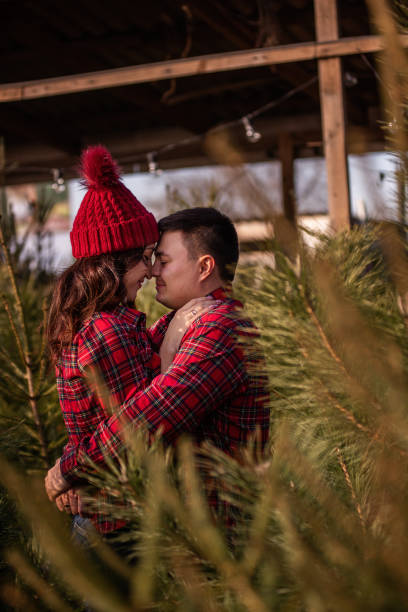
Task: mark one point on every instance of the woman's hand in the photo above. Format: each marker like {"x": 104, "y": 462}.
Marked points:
{"x": 179, "y": 324}
{"x": 68, "y": 502}
{"x": 55, "y": 483}
{"x": 72, "y": 502}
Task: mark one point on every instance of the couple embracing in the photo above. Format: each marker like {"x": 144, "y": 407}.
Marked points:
{"x": 185, "y": 375}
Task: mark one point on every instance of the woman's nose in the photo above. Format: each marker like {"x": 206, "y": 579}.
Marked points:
{"x": 149, "y": 270}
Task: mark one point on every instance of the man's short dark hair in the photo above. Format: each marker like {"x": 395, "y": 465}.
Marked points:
{"x": 206, "y": 232}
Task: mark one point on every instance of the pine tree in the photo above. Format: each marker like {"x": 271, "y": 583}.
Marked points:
{"x": 31, "y": 424}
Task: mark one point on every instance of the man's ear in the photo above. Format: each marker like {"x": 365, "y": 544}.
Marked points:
{"x": 207, "y": 265}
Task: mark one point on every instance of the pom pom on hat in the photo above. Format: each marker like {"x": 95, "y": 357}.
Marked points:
{"x": 110, "y": 217}
{"x": 98, "y": 168}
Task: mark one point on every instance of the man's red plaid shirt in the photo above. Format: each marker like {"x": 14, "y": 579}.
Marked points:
{"x": 208, "y": 391}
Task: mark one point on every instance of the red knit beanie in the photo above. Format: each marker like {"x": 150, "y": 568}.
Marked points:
{"x": 110, "y": 218}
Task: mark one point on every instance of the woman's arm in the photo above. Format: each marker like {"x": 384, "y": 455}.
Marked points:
{"x": 113, "y": 359}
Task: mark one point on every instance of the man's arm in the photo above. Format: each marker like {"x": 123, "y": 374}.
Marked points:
{"x": 206, "y": 369}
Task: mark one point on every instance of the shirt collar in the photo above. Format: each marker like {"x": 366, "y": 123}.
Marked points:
{"x": 218, "y": 294}
{"x": 224, "y": 295}
{"x": 131, "y": 315}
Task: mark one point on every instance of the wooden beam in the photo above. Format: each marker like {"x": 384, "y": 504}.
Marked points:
{"x": 205, "y": 64}
{"x": 241, "y": 35}
{"x": 272, "y": 30}
{"x": 333, "y": 119}
{"x": 288, "y": 184}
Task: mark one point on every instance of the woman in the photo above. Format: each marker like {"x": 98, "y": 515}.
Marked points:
{"x": 98, "y": 341}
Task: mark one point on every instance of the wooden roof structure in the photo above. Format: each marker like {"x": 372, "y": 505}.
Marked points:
{"x": 140, "y": 76}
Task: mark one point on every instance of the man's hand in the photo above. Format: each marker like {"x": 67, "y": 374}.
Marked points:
{"x": 55, "y": 483}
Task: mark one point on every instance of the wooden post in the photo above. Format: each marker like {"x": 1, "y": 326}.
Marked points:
{"x": 288, "y": 184}
{"x": 2, "y": 162}
{"x": 333, "y": 117}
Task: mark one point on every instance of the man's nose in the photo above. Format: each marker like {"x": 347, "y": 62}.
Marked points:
{"x": 155, "y": 268}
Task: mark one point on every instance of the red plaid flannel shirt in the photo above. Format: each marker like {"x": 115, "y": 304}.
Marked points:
{"x": 207, "y": 392}
{"x": 116, "y": 346}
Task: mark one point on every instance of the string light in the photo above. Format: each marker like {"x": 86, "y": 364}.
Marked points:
{"x": 250, "y": 132}
{"x": 392, "y": 125}
{"x": 152, "y": 164}
{"x": 246, "y": 120}
{"x": 153, "y": 167}
{"x": 350, "y": 79}
{"x": 59, "y": 184}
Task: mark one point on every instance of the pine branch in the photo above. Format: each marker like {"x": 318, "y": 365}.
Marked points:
{"x": 350, "y": 486}
{"x": 17, "y": 371}
{"x": 23, "y": 346}
{"x": 209, "y": 539}
{"x": 332, "y": 352}
{"x": 32, "y": 578}
{"x": 43, "y": 350}
{"x": 14, "y": 330}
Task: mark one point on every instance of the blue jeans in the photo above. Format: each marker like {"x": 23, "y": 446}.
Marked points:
{"x": 81, "y": 531}
{"x": 83, "y": 534}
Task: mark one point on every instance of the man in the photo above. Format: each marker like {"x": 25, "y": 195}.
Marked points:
{"x": 208, "y": 390}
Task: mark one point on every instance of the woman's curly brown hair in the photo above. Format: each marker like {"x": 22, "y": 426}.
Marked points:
{"x": 89, "y": 285}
